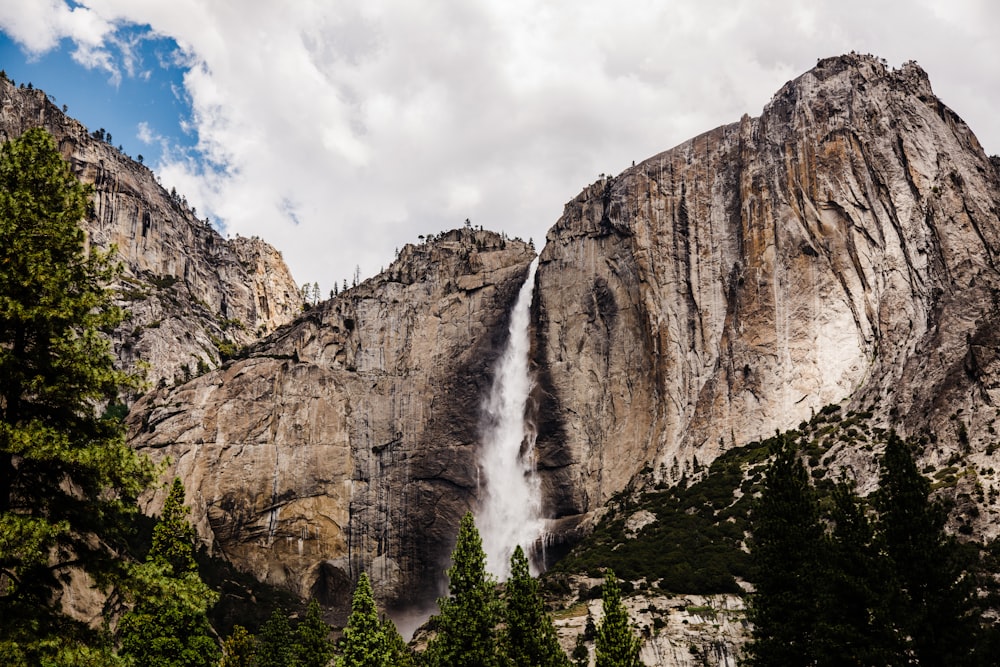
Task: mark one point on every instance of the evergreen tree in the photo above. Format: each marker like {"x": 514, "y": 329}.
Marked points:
{"x": 276, "y": 642}
{"x": 364, "y": 642}
{"x": 589, "y": 628}
{"x": 313, "y": 638}
{"x": 934, "y": 598}
{"x": 168, "y": 626}
{"x": 239, "y": 649}
{"x": 529, "y": 638}
{"x": 581, "y": 655}
{"x": 788, "y": 543}
{"x": 173, "y": 534}
{"x": 68, "y": 482}
{"x": 616, "y": 645}
{"x": 856, "y": 624}
{"x": 400, "y": 654}
{"x": 466, "y": 627}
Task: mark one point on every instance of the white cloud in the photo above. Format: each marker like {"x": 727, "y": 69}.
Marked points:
{"x": 340, "y": 130}
{"x": 145, "y": 133}
{"x": 39, "y": 25}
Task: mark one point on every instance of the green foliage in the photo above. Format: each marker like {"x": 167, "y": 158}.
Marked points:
{"x": 313, "y": 638}
{"x": 227, "y": 348}
{"x": 616, "y": 645}
{"x": 400, "y": 654}
{"x": 364, "y": 641}
{"x": 884, "y": 585}
{"x": 68, "y": 482}
{"x": 173, "y": 535}
{"x": 276, "y": 642}
{"x": 788, "y": 544}
{"x": 933, "y": 605}
{"x": 65, "y": 645}
{"x": 580, "y": 656}
{"x": 528, "y": 638}
{"x": 856, "y": 625}
{"x": 469, "y": 616}
{"x": 239, "y": 649}
{"x": 695, "y": 544}
{"x": 168, "y": 626}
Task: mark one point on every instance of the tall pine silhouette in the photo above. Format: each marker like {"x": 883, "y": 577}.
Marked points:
{"x": 934, "y": 596}
{"x": 528, "y": 638}
{"x": 466, "y": 626}
{"x": 168, "y": 626}
{"x": 616, "y": 645}
{"x": 68, "y": 482}
{"x": 788, "y": 544}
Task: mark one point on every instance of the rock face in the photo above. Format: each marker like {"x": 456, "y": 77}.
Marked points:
{"x": 346, "y": 442}
{"x": 676, "y": 631}
{"x": 843, "y": 245}
{"x": 188, "y": 290}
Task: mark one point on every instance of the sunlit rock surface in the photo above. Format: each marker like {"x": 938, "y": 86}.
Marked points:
{"x": 188, "y": 291}
{"x": 347, "y": 442}
{"x": 842, "y": 245}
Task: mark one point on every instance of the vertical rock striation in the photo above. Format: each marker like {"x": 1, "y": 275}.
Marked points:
{"x": 843, "y": 244}
{"x": 189, "y": 292}
{"x": 347, "y": 441}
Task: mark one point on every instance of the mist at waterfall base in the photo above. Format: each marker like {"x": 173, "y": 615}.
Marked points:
{"x": 510, "y": 513}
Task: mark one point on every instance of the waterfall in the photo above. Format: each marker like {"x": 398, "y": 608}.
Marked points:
{"x": 510, "y": 512}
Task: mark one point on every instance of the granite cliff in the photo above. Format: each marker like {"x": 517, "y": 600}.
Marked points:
{"x": 842, "y": 246}
{"x": 192, "y": 295}
{"x": 346, "y": 442}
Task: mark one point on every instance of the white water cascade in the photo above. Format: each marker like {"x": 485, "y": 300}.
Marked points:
{"x": 510, "y": 514}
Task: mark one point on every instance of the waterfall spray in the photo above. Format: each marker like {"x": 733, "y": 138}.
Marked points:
{"x": 510, "y": 514}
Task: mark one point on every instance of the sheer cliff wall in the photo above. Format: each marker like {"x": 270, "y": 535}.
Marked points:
{"x": 186, "y": 288}
{"x": 347, "y": 442}
{"x": 843, "y": 245}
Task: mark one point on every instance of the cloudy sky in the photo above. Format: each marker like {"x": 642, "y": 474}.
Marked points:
{"x": 339, "y": 131}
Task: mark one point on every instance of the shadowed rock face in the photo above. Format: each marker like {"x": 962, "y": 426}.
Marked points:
{"x": 347, "y": 441}
{"x": 185, "y": 287}
{"x": 844, "y": 244}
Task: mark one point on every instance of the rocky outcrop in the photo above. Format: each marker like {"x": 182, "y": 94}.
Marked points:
{"x": 346, "y": 442}
{"x": 843, "y": 245}
{"x": 192, "y": 296}
{"x": 674, "y": 630}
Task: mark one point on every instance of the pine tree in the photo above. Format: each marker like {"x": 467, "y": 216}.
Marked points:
{"x": 529, "y": 638}
{"x": 364, "y": 642}
{"x": 467, "y": 624}
{"x": 934, "y": 602}
{"x": 856, "y": 624}
{"x": 788, "y": 543}
{"x": 173, "y": 534}
{"x": 239, "y": 649}
{"x": 313, "y": 638}
{"x": 68, "y": 482}
{"x": 581, "y": 655}
{"x": 400, "y": 654}
{"x": 168, "y": 626}
{"x": 616, "y": 645}
{"x": 276, "y": 642}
